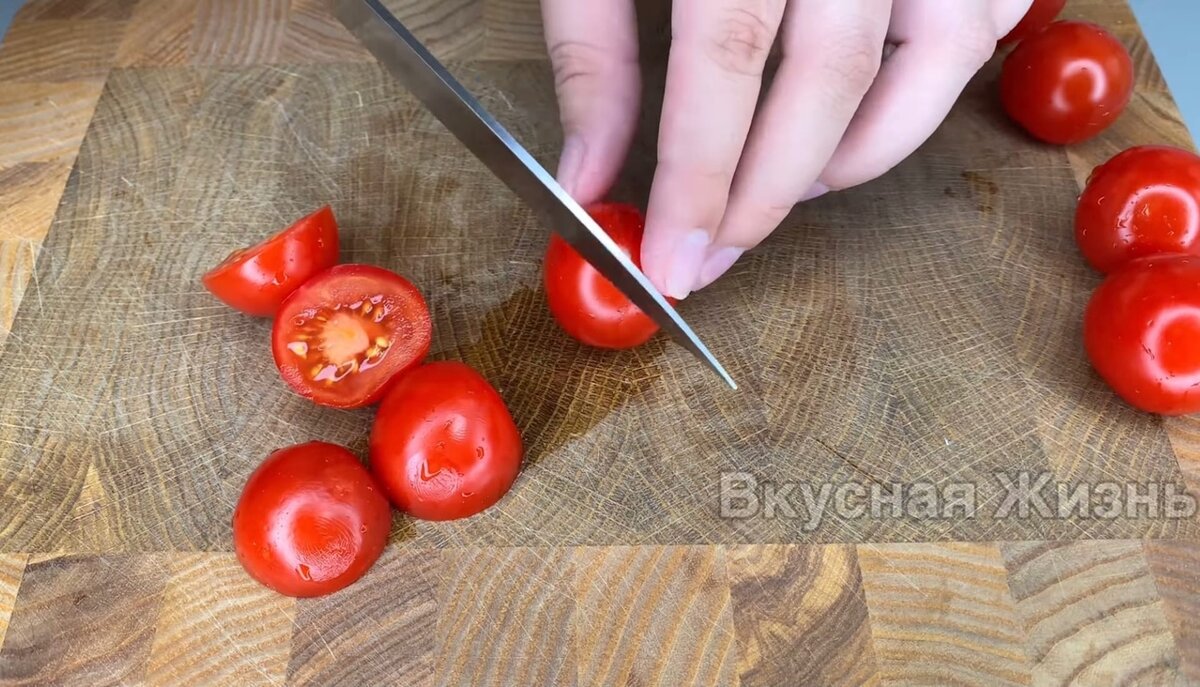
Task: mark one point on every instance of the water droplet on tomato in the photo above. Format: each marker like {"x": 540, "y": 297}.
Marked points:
{"x": 304, "y": 572}
{"x": 479, "y": 452}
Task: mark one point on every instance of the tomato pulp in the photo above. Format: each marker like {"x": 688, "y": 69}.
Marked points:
{"x": 1067, "y": 83}
{"x": 444, "y": 445}
{"x": 1144, "y": 201}
{"x": 310, "y": 520}
{"x": 344, "y": 335}
{"x": 585, "y": 303}
{"x": 1142, "y": 333}
{"x": 256, "y": 280}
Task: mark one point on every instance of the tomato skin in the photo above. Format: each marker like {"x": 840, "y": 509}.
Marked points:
{"x": 406, "y": 327}
{"x": 586, "y": 304}
{"x": 1040, "y": 14}
{"x": 256, "y": 280}
{"x": 310, "y": 520}
{"x": 444, "y": 445}
{"x": 1144, "y": 201}
{"x": 1142, "y": 333}
{"x": 1067, "y": 83}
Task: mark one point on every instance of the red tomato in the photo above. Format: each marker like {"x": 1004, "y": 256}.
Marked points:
{"x": 1067, "y": 83}
{"x": 1040, "y": 14}
{"x": 257, "y": 279}
{"x": 444, "y": 445}
{"x": 1142, "y": 333}
{"x": 344, "y": 335}
{"x": 1144, "y": 201}
{"x": 586, "y": 304}
{"x": 310, "y": 520}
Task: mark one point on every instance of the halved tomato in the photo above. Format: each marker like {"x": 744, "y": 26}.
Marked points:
{"x": 257, "y": 279}
{"x": 342, "y": 337}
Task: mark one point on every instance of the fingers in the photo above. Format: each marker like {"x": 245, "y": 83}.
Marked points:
{"x": 942, "y": 45}
{"x": 593, "y": 48}
{"x": 832, "y": 52}
{"x": 714, "y": 75}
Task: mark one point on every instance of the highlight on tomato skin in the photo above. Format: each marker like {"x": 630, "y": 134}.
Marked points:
{"x": 310, "y": 520}
{"x": 343, "y": 337}
{"x": 586, "y": 305}
{"x": 1144, "y": 201}
{"x": 256, "y": 280}
{"x": 444, "y": 445}
{"x": 1142, "y": 333}
{"x": 1067, "y": 83}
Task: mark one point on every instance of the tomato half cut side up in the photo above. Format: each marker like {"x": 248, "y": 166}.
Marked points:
{"x": 344, "y": 336}
{"x": 256, "y": 280}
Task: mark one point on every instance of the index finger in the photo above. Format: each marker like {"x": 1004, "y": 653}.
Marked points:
{"x": 714, "y": 74}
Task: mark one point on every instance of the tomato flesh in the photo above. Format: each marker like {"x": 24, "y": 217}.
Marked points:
{"x": 310, "y": 520}
{"x": 342, "y": 338}
{"x": 586, "y": 304}
{"x": 1067, "y": 83}
{"x": 1142, "y": 333}
{"x": 444, "y": 445}
{"x": 1040, "y": 14}
{"x": 256, "y": 280}
{"x": 1144, "y": 201}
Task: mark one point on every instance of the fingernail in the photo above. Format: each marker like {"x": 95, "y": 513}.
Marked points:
{"x": 718, "y": 263}
{"x": 816, "y": 191}
{"x": 683, "y": 265}
{"x": 570, "y": 163}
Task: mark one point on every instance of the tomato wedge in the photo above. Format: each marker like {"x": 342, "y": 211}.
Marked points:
{"x": 444, "y": 445}
{"x": 342, "y": 337}
{"x": 256, "y": 280}
{"x": 310, "y": 521}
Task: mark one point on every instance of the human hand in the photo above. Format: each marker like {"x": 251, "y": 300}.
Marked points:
{"x": 837, "y": 114}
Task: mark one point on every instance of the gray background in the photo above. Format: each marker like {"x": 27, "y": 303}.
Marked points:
{"x": 1170, "y": 26}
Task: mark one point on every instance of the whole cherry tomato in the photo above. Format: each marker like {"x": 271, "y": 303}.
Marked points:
{"x": 1040, "y": 14}
{"x": 310, "y": 520}
{"x": 585, "y": 303}
{"x": 444, "y": 445}
{"x": 1144, "y": 201}
{"x": 257, "y": 279}
{"x": 1067, "y": 83}
{"x": 344, "y": 335}
{"x": 1142, "y": 333}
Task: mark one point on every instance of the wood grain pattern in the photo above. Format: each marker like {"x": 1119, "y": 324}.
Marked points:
{"x": 217, "y": 626}
{"x": 313, "y": 35}
{"x": 35, "y": 10}
{"x": 53, "y": 51}
{"x": 1175, "y": 566}
{"x": 942, "y": 614}
{"x": 83, "y": 620}
{"x": 377, "y": 631}
{"x": 159, "y": 34}
{"x": 44, "y": 122}
{"x": 654, "y": 616}
{"x": 514, "y": 30}
{"x": 800, "y": 616}
{"x": 29, "y": 195}
{"x": 451, "y": 29}
{"x": 12, "y": 568}
{"x": 1091, "y": 613}
{"x": 232, "y": 32}
{"x": 507, "y": 617}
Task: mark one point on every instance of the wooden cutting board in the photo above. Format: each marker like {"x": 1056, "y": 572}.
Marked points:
{"x": 918, "y": 333}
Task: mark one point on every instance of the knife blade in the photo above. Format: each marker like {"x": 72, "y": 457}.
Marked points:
{"x": 397, "y": 49}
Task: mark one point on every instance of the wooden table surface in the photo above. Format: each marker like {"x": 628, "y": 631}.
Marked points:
{"x": 922, "y": 329}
